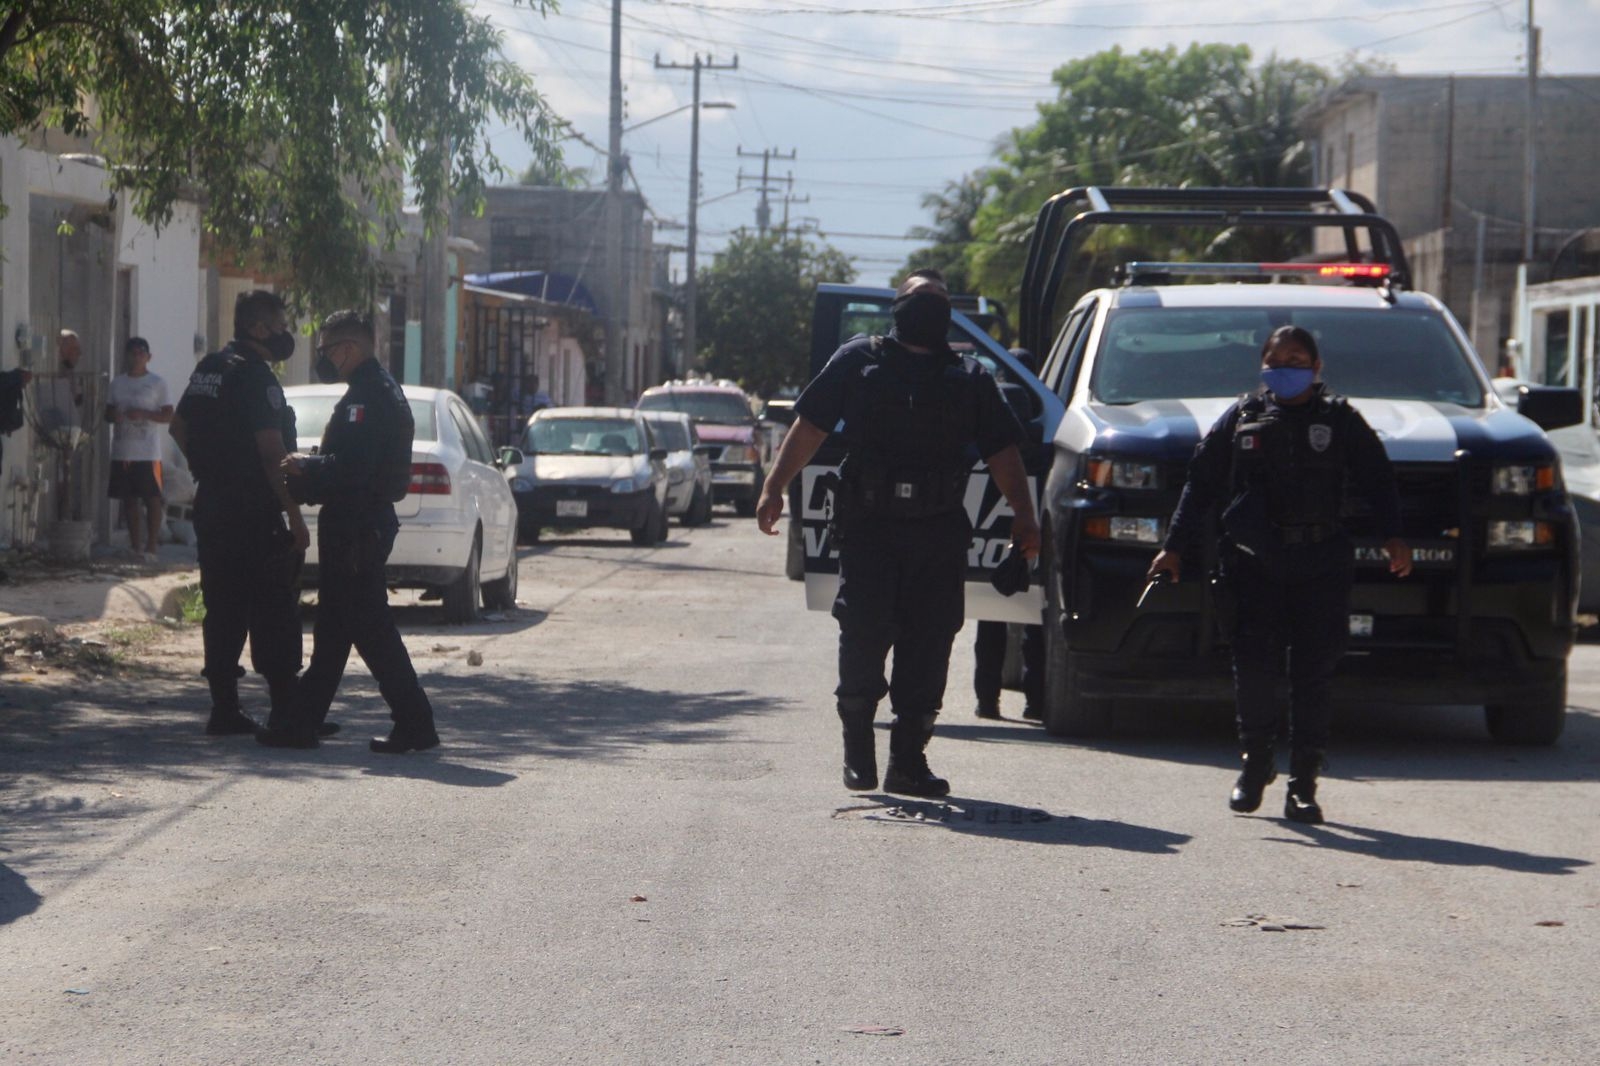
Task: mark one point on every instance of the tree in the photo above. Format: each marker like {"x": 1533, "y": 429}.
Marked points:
{"x": 1202, "y": 116}
{"x": 954, "y": 210}
{"x": 305, "y": 125}
{"x": 552, "y": 172}
{"x": 754, "y": 307}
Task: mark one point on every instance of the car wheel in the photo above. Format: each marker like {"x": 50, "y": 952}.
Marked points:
{"x": 746, "y": 508}
{"x": 663, "y": 525}
{"x": 699, "y": 512}
{"x": 646, "y": 533}
{"x": 527, "y": 533}
{"x": 502, "y": 595}
{"x": 1067, "y": 713}
{"x": 1536, "y": 718}
{"x": 461, "y": 596}
{"x": 794, "y": 562}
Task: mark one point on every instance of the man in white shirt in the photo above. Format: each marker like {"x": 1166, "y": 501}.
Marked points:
{"x": 137, "y": 403}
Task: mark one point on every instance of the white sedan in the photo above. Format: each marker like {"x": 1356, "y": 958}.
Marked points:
{"x": 458, "y": 524}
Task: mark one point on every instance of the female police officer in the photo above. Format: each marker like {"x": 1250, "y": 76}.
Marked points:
{"x": 1279, "y": 463}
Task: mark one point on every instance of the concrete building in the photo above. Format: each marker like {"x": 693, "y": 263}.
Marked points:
{"x": 563, "y": 232}
{"x": 1443, "y": 159}
{"x": 75, "y": 257}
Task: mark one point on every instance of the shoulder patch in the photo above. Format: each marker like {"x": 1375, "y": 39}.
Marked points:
{"x": 1320, "y": 434}
{"x": 356, "y": 412}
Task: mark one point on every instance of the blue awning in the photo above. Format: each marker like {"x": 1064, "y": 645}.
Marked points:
{"x": 539, "y": 284}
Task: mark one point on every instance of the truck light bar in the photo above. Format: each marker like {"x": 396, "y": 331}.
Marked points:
{"x": 1362, "y": 271}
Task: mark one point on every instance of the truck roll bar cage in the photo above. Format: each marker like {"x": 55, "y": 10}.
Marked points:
{"x": 1056, "y": 237}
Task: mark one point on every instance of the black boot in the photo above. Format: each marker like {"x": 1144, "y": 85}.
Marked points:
{"x": 1257, "y": 774}
{"x": 988, "y": 708}
{"x": 860, "y": 744}
{"x": 908, "y": 772}
{"x": 413, "y": 728}
{"x": 1301, "y": 804}
{"x": 227, "y": 720}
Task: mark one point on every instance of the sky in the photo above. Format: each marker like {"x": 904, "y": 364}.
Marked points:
{"x": 881, "y": 103}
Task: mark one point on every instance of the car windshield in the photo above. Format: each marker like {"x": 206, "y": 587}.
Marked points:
{"x": 673, "y": 436}
{"x": 311, "y": 414}
{"x": 582, "y": 436}
{"x": 1178, "y": 354}
{"x": 702, "y": 405}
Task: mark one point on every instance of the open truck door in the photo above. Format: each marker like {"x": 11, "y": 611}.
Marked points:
{"x": 844, "y": 311}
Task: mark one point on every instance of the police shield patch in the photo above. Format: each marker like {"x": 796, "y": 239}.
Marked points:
{"x": 1320, "y": 436}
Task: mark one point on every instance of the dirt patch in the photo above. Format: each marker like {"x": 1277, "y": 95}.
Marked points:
{"x": 112, "y": 651}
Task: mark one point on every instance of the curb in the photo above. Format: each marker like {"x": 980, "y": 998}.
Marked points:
{"x": 25, "y": 623}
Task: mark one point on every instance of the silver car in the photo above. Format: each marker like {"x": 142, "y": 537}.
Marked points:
{"x": 688, "y": 466}
{"x": 590, "y": 466}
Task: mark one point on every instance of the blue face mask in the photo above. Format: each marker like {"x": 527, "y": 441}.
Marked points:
{"x": 1287, "y": 382}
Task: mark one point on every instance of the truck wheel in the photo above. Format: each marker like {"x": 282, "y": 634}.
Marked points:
{"x": 1534, "y": 719}
{"x": 699, "y": 512}
{"x": 1067, "y": 713}
{"x": 794, "y": 560}
{"x": 461, "y": 596}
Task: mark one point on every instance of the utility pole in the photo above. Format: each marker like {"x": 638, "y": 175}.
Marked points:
{"x": 1530, "y": 137}
{"x": 791, "y": 198}
{"x": 616, "y": 167}
{"x": 691, "y": 336}
{"x": 763, "y": 208}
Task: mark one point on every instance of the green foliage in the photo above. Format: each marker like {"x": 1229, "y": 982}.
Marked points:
{"x": 954, "y": 210}
{"x": 1206, "y": 115}
{"x": 754, "y": 308}
{"x": 305, "y": 125}
{"x": 550, "y": 171}
{"x": 191, "y": 605}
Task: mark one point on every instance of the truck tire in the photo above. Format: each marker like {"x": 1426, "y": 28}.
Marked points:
{"x": 461, "y": 597}
{"x": 1535, "y": 718}
{"x": 1067, "y": 713}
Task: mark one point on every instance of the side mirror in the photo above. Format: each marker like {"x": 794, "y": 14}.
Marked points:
{"x": 658, "y": 455}
{"x": 510, "y": 457}
{"x": 1548, "y": 407}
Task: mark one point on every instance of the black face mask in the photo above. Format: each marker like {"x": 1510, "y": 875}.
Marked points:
{"x": 279, "y": 346}
{"x": 922, "y": 318}
{"x": 327, "y": 370}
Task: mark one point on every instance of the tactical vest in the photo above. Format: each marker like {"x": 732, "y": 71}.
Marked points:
{"x": 909, "y": 431}
{"x": 212, "y": 432}
{"x": 1294, "y": 458}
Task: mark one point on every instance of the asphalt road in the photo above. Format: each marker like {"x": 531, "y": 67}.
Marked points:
{"x": 634, "y": 848}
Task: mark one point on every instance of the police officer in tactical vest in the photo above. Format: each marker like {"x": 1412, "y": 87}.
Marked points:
{"x": 915, "y": 419}
{"x": 361, "y": 471}
{"x": 234, "y": 428}
{"x": 1279, "y": 463}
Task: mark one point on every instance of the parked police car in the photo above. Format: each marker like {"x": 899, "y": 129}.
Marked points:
{"x": 1137, "y": 371}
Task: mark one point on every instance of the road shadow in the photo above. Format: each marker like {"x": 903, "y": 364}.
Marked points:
{"x": 1386, "y": 844}
{"x": 1369, "y": 742}
{"x": 1006, "y": 821}
{"x": 17, "y": 898}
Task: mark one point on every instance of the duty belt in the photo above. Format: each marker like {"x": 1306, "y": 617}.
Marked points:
{"x": 1308, "y": 534}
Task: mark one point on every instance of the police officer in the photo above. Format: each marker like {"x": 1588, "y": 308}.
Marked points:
{"x": 234, "y": 428}
{"x": 362, "y": 470}
{"x": 915, "y": 416}
{"x": 1280, "y": 462}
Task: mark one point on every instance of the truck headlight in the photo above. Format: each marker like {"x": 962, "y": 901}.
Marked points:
{"x": 625, "y": 484}
{"x": 1119, "y": 474}
{"x": 1125, "y": 529}
{"x": 677, "y": 476}
{"x": 1519, "y": 480}
{"x": 1521, "y": 536}
{"x": 738, "y": 453}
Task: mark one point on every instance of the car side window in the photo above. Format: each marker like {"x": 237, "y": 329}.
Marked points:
{"x": 1078, "y": 345}
{"x": 472, "y": 438}
{"x": 1055, "y": 366}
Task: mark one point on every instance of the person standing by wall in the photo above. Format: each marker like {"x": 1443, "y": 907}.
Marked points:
{"x": 137, "y": 403}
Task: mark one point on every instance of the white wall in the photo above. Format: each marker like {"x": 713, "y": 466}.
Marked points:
{"x": 166, "y": 299}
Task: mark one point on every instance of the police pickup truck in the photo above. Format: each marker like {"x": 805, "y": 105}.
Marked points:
{"x": 1135, "y": 373}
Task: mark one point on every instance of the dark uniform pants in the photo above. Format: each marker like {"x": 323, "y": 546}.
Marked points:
{"x": 1293, "y": 621}
{"x": 901, "y": 585}
{"x": 353, "y": 611}
{"x": 249, "y": 576}
{"x": 989, "y": 659}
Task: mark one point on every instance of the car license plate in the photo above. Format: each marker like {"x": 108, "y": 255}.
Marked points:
{"x": 572, "y": 508}
{"x": 1361, "y": 625}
